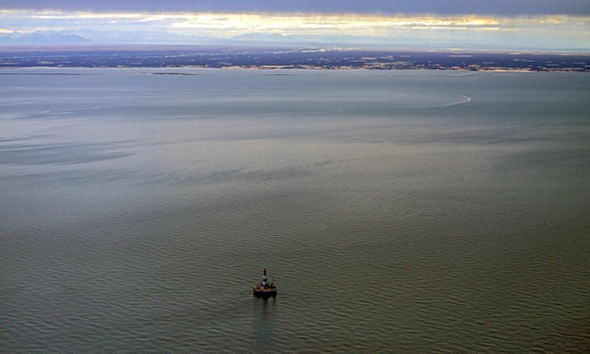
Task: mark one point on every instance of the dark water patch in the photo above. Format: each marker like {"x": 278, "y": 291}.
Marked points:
{"x": 564, "y": 161}
{"x": 64, "y": 153}
{"x": 70, "y": 178}
{"x": 23, "y": 138}
{"x": 235, "y": 175}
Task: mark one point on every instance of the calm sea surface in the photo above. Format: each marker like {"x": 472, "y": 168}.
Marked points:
{"x": 397, "y": 211}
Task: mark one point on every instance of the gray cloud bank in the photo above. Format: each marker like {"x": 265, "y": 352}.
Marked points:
{"x": 439, "y": 7}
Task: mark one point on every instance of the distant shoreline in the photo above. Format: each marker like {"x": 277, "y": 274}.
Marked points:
{"x": 266, "y": 58}
{"x": 497, "y": 70}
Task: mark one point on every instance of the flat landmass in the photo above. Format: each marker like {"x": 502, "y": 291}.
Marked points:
{"x": 288, "y": 58}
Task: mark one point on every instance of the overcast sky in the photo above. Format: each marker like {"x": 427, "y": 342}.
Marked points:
{"x": 513, "y": 24}
{"x": 443, "y": 7}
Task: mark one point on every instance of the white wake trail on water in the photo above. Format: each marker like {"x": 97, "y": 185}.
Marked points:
{"x": 463, "y": 101}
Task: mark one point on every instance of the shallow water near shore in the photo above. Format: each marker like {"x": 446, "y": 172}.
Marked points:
{"x": 412, "y": 211}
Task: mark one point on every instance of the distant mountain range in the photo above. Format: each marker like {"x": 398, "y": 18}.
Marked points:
{"x": 90, "y": 37}
{"x": 86, "y": 37}
{"x": 263, "y": 37}
{"x": 44, "y": 38}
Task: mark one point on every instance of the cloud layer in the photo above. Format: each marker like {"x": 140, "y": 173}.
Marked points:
{"x": 561, "y": 32}
{"x": 436, "y": 7}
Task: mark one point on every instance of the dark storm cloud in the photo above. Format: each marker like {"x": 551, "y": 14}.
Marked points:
{"x": 441, "y": 7}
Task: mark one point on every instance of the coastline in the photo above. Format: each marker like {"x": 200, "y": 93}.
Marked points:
{"x": 289, "y": 59}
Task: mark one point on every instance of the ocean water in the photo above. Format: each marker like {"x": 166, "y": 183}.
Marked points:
{"x": 410, "y": 211}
